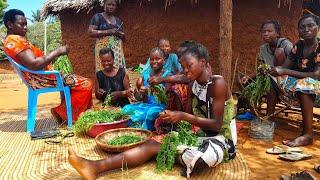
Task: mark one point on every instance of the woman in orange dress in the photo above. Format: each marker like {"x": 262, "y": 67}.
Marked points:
{"x": 23, "y": 52}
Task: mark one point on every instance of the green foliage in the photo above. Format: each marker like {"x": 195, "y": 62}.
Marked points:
{"x": 107, "y": 101}
{"x": 89, "y": 118}
{"x": 3, "y": 5}
{"x": 186, "y": 136}
{"x": 168, "y": 149}
{"x": 125, "y": 140}
{"x": 36, "y": 35}
{"x": 63, "y": 65}
{"x": 261, "y": 86}
{"x": 36, "y": 16}
{"x": 3, "y": 32}
{"x": 159, "y": 92}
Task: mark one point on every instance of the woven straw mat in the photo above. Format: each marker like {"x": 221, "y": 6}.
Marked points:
{"x": 23, "y": 158}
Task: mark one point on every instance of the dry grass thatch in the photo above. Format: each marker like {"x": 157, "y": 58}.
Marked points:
{"x": 54, "y": 7}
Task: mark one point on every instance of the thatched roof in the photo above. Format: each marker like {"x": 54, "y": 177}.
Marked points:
{"x": 54, "y": 7}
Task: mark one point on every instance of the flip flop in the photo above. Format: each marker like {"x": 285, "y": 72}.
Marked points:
{"x": 294, "y": 156}
{"x": 317, "y": 168}
{"x": 300, "y": 175}
{"x": 281, "y": 149}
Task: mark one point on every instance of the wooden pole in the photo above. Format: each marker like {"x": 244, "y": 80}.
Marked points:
{"x": 225, "y": 36}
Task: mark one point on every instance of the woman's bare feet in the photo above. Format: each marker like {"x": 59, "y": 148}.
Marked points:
{"x": 303, "y": 140}
{"x": 84, "y": 167}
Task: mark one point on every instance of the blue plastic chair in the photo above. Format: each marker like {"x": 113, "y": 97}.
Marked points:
{"x": 33, "y": 93}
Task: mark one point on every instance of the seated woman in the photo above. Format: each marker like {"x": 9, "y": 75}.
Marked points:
{"x": 273, "y": 52}
{"x": 112, "y": 80}
{"x": 210, "y": 106}
{"x": 299, "y": 76}
{"x": 26, "y": 54}
{"x": 146, "y": 113}
{"x": 171, "y": 62}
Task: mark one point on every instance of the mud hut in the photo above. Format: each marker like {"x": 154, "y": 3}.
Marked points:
{"x": 147, "y": 21}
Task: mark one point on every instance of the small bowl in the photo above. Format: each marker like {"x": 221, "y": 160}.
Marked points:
{"x": 103, "y": 139}
{"x": 99, "y": 128}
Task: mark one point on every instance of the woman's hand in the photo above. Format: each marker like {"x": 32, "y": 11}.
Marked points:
{"x": 143, "y": 89}
{"x": 155, "y": 80}
{"x": 101, "y": 92}
{"x": 63, "y": 50}
{"x": 129, "y": 92}
{"x": 171, "y": 116}
{"x": 278, "y": 71}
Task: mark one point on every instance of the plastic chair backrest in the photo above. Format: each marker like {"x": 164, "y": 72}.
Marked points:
{"x": 21, "y": 69}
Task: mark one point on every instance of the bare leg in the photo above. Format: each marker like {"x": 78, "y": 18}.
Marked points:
{"x": 306, "y": 102}
{"x": 271, "y": 101}
{"x": 133, "y": 157}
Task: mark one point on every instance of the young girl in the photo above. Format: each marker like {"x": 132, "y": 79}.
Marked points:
{"x": 112, "y": 80}
{"x": 210, "y": 106}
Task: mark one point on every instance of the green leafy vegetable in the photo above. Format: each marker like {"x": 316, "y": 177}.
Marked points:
{"x": 125, "y": 139}
{"x": 168, "y": 149}
{"x": 89, "y": 118}
{"x": 63, "y": 65}
{"x": 107, "y": 101}
{"x": 159, "y": 92}
{"x": 261, "y": 86}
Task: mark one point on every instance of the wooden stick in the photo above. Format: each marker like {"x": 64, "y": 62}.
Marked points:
{"x": 234, "y": 72}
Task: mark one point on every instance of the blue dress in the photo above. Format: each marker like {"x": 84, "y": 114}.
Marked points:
{"x": 145, "y": 113}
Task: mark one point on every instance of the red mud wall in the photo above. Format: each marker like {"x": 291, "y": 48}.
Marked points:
{"x": 146, "y": 24}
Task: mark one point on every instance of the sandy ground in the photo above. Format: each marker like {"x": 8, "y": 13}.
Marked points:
{"x": 13, "y": 97}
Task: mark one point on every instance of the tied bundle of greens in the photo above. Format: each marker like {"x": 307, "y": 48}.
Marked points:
{"x": 89, "y": 118}
{"x": 63, "y": 65}
{"x": 125, "y": 140}
{"x": 159, "y": 92}
{"x": 168, "y": 149}
{"x": 261, "y": 86}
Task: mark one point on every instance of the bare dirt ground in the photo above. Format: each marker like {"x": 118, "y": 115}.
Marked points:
{"x": 13, "y": 97}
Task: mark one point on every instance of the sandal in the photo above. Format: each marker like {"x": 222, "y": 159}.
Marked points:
{"x": 317, "y": 168}
{"x": 281, "y": 149}
{"x": 294, "y": 156}
{"x": 303, "y": 175}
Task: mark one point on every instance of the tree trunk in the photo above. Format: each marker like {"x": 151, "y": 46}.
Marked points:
{"x": 225, "y": 35}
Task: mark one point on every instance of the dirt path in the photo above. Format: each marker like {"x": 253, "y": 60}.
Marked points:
{"x": 13, "y": 95}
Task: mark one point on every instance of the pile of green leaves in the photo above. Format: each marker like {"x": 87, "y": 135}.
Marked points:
{"x": 168, "y": 149}
{"x": 261, "y": 86}
{"x": 125, "y": 140}
{"x": 159, "y": 92}
{"x": 63, "y": 65}
{"x": 89, "y": 118}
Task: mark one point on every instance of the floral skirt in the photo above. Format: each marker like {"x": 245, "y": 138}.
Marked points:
{"x": 291, "y": 86}
{"x": 116, "y": 45}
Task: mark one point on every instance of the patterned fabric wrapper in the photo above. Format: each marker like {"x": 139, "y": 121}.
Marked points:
{"x": 290, "y": 86}
{"x": 116, "y": 45}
